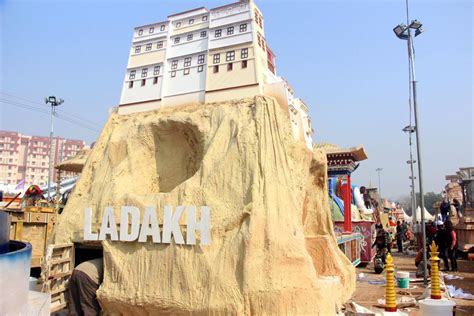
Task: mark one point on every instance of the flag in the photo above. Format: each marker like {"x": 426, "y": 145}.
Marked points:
{"x": 20, "y": 185}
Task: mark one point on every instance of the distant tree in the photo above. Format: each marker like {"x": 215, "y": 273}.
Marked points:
{"x": 430, "y": 199}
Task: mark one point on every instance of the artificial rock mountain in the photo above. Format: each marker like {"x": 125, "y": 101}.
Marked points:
{"x": 272, "y": 250}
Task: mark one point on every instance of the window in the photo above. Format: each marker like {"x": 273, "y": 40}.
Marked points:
{"x": 178, "y": 24}
{"x": 243, "y": 28}
{"x": 155, "y": 80}
{"x": 186, "y": 71}
{"x": 151, "y": 30}
{"x": 140, "y": 32}
{"x": 138, "y": 48}
{"x": 218, "y": 33}
{"x": 173, "y": 74}
{"x": 131, "y": 77}
{"x": 156, "y": 71}
{"x": 162, "y": 28}
{"x": 204, "y": 17}
{"x": 201, "y": 59}
{"x": 200, "y": 68}
{"x": 230, "y": 30}
{"x": 191, "y": 21}
{"x": 130, "y": 84}
{"x": 216, "y": 68}
{"x": 190, "y": 37}
{"x": 148, "y": 47}
{"x": 244, "y": 53}
{"x": 217, "y": 58}
{"x": 187, "y": 62}
{"x": 174, "y": 64}
{"x": 230, "y": 55}
{"x": 159, "y": 45}
{"x": 203, "y": 34}
{"x": 143, "y": 82}
{"x": 244, "y": 64}
{"x": 229, "y": 66}
{"x": 176, "y": 40}
{"x": 144, "y": 72}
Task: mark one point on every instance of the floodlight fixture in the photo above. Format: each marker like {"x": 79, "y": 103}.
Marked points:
{"x": 415, "y": 24}
{"x": 419, "y": 31}
{"x": 401, "y": 31}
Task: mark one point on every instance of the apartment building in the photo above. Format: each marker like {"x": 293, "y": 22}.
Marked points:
{"x": 203, "y": 56}
{"x": 24, "y": 157}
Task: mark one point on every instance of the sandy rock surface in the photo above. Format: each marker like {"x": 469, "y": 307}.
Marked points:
{"x": 272, "y": 245}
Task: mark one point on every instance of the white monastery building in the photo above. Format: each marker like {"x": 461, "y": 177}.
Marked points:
{"x": 203, "y": 56}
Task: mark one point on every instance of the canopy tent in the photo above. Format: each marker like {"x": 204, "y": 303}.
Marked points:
{"x": 428, "y": 216}
{"x": 76, "y": 163}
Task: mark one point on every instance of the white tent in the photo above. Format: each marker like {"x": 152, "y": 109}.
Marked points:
{"x": 406, "y": 217}
{"x": 428, "y": 216}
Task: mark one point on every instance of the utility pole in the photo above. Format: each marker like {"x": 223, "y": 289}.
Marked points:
{"x": 403, "y": 32}
{"x": 380, "y": 187}
{"x": 54, "y": 103}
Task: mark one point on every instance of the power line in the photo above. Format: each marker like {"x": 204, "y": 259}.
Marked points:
{"x": 74, "y": 116}
{"x": 44, "y": 111}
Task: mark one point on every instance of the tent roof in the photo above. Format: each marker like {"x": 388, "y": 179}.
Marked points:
{"x": 76, "y": 163}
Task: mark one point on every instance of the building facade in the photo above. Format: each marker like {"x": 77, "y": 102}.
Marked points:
{"x": 24, "y": 157}
{"x": 204, "y": 56}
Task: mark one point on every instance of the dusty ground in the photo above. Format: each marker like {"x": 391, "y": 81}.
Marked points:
{"x": 367, "y": 294}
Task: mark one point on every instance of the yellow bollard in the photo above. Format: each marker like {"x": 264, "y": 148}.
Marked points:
{"x": 390, "y": 297}
{"x": 435, "y": 282}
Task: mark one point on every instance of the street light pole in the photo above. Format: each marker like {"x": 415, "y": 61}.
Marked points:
{"x": 410, "y": 130}
{"x": 380, "y": 187}
{"x": 404, "y": 32}
{"x": 54, "y": 103}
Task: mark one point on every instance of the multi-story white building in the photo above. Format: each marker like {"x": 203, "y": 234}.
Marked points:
{"x": 205, "y": 55}
{"x": 24, "y": 157}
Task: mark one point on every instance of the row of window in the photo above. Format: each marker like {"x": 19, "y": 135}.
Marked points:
{"x": 230, "y": 66}
{"x": 261, "y": 41}
{"x": 187, "y": 62}
{"x": 258, "y": 19}
{"x": 186, "y": 71}
{"x": 189, "y": 37}
{"x": 151, "y": 30}
{"x": 143, "y": 82}
{"x": 191, "y": 21}
{"x": 230, "y": 30}
{"x": 156, "y": 72}
{"x": 230, "y": 55}
{"x": 148, "y": 47}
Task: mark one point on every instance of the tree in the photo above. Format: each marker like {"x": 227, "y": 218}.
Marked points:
{"x": 431, "y": 198}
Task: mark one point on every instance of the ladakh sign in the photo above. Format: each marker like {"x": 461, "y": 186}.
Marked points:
{"x": 133, "y": 229}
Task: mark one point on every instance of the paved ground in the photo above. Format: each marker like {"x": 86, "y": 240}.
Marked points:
{"x": 367, "y": 294}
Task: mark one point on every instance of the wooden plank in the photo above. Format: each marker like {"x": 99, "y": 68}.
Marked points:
{"x": 60, "y": 275}
{"x": 19, "y": 231}
{"x": 62, "y": 260}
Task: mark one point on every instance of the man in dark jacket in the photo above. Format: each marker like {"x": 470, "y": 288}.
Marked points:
{"x": 440, "y": 240}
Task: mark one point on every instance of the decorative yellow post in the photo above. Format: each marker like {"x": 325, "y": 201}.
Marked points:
{"x": 435, "y": 283}
{"x": 390, "y": 298}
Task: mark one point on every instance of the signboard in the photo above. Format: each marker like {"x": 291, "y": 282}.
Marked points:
{"x": 132, "y": 228}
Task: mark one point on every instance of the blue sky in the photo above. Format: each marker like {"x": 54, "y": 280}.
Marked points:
{"x": 341, "y": 57}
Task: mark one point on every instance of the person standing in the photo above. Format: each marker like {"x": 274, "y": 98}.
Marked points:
{"x": 445, "y": 209}
{"x": 441, "y": 241}
{"x": 404, "y": 230}
{"x": 416, "y": 232}
{"x": 399, "y": 237}
{"x": 452, "y": 245}
{"x": 457, "y": 206}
